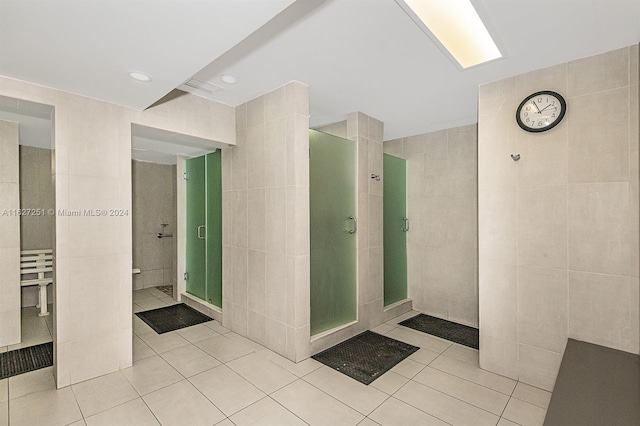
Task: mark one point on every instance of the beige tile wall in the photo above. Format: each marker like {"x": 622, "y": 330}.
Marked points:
{"x": 265, "y": 202}
{"x": 559, "y": 229}
{"x": 153, "y": 203}
{"x": 10, "y": 235}
{"x": 36, "y": 192}
{"x": 92, "y": 170}
{"x": 442, "y": 243}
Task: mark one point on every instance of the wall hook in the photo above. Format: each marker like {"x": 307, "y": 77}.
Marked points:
{"x": 376, "y": 177}
{"x": 515, "y": 157}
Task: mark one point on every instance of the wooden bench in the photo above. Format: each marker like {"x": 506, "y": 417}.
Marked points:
{"x": 37, "y": 263}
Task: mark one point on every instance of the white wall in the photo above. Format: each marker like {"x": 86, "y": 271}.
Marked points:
{"x": 92, "y": 170}
{"x": 558, "y": 230}
{"x": 154, "y": 202}
{"x": 442, "y": 206}
{"x": 36, "y": 192}
{"x": 9, "y": 236}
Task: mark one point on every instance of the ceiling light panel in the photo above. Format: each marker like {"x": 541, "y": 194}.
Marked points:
{"x": 458, "y": 27}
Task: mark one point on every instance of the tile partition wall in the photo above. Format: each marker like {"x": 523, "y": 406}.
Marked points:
{"x": 92, "y": 170}
{"x": 10, "y": 235}
{"x": 367, "y": 132}
{"x": 265, "y": 198}
{"x": 442, "y": 206}
{"x": 36, "y": 192}
{"x": 153, "y": 203}
{"x": 558, "y": 230}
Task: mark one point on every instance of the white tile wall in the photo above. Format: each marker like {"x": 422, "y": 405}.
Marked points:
{"x": 265, "y": 222}
{"x": 442, "y": 206}
{"x": 10, "y": 236}
{"x": 92, "y": 169}
{"x": 565, "y": 217}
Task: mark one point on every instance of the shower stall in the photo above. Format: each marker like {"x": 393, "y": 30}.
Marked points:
{"x": 396, "y": 226}
{"x": 203, "y": 274}
{"x": 333, "y": 227}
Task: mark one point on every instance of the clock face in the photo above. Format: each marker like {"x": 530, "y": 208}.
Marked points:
{"x": 541, "y": 111}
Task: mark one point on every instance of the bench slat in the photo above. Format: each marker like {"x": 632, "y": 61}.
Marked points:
{"x": 36, "y": 262}
{"x": 35, "y": 270}
{"x": 36, "y": 258}
{"x": 27, "y": 283}
{"x": 26, "y": 265}
{"x": 41, "y": 251}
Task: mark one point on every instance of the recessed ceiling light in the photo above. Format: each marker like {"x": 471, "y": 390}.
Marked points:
{"x": 228, "y": 78}
{"x": 140, "y": 76}
{"x": 458, "y": 27}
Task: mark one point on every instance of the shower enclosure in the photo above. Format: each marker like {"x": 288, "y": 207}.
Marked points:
{"x": 333, "y": 223}
{"x": 396, "y": 226}
{"x": 204, "y": 228}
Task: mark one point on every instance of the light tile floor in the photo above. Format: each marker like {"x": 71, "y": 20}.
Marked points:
{"x": 34, "y": 329}
{"x": 208, "y": 375}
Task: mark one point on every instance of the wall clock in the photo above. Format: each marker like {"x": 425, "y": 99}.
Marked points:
{"x": 541, "y": 111}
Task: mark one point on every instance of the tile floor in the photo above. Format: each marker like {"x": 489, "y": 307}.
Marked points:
{"x": 207, "y": 375}
{"x": 35, "y": 329}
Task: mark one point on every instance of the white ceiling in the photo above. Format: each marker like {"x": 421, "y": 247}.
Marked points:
{"x": 368, "y": 55}
{"x": 365, "y": 55}
{"x": 88, "y": 46}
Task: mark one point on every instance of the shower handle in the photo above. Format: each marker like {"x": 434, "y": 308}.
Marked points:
{"x": 200, "y": 236}
{"x": 406, "y": 224}
{"x": 355, "y": 225}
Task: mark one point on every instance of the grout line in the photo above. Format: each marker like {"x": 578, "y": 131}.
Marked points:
{"x": 460, "y": 399}
{"x": 77, "y": 403}
{"x": 149, "y": 408}
{"x": 471, "y": 381}
{"x": 335, "y": 398}
{"x": 274, "y": 400}
{"x": 417, "y": 408}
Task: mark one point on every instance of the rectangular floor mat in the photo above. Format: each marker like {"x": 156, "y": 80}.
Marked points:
{"x": 173, "y": 317}
{"x": 27, "y": 359}
{"x": 365, "y": 357}
{"x": 454, "y": 332}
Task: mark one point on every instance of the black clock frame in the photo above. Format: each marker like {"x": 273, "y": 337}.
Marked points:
{"x": 563, "y": 110}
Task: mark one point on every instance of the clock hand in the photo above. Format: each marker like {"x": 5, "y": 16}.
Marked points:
{"x": 535, "y": 105}
{"x": 546, "y": 107}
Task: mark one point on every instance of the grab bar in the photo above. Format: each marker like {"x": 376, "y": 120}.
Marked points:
{"x": 355, "y": 225}
{"x": 406, "y": 224}
{"x": 200, "y": 236}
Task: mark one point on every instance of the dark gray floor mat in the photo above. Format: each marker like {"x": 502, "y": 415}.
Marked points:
{"x": 27, "y": 359}
{"x": 454, "y": 332}
{"x": 365, "y": 357}
{"x": 173, "y": 317}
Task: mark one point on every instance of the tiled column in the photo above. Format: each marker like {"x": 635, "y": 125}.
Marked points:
{"x": 266, "y": 222}
{"x": 10, "y": 235}
{"x": 367, "y": 132}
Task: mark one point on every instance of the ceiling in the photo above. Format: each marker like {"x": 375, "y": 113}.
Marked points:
{"x": 365, "y": 55}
